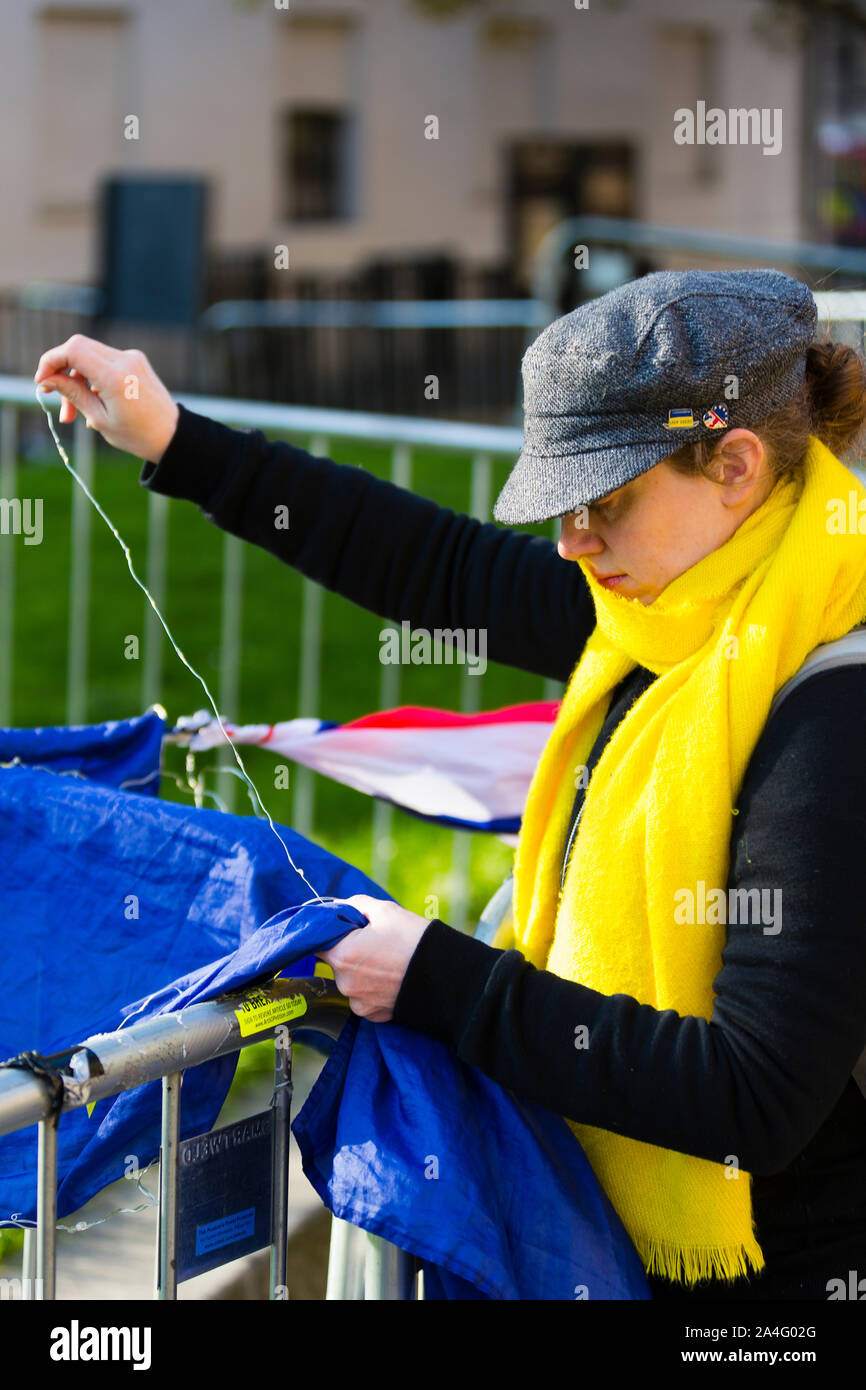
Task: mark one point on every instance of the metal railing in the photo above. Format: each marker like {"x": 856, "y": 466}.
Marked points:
{"x": 381, "y": 313}
{"x": 481, "y": 442}
{"x": 626, "y": 233}
{"x": 328, "y": 351}
{"x": 165, "y": 1047}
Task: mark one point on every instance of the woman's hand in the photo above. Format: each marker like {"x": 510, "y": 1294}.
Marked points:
{"x": 118, "y": 393}
{"x": 369, "y": 963}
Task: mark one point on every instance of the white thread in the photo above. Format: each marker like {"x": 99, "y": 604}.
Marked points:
{"x": 201, "y": 680}
{"x": 153, "y": 1201}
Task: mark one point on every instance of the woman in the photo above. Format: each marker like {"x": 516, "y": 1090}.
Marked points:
{"x": 690, "y": 985}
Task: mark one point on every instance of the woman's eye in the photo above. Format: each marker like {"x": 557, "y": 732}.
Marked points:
{"x": 610, "y": 508}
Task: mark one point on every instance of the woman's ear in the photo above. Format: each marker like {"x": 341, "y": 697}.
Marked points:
{"x": 739, "y": 466}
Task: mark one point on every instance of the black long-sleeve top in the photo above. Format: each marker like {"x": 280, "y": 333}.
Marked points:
{"x": 768, "y": 1077}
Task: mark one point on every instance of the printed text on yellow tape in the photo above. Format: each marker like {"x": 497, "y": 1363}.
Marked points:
{"x": 258, "y": 1012}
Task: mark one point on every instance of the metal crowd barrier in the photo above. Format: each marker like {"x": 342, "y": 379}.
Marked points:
{"x": 165, "y": 1047}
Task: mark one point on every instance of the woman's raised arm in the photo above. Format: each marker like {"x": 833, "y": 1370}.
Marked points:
{"x": 396, "y": 554}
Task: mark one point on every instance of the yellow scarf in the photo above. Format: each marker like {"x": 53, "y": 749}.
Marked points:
{"x": 722, "y": 638}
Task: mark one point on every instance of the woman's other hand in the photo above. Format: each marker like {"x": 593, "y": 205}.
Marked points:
{"x": 118, "y": 393}
{"x": 370, "y": 962}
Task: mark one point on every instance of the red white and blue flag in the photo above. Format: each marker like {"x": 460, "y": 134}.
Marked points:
{"x": 470, "y": 771}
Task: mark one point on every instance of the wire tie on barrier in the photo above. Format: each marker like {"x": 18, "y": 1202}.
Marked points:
{"x": 287, "y": 1086}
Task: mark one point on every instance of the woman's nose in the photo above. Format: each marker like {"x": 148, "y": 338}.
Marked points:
{"x": 576, "y": 540}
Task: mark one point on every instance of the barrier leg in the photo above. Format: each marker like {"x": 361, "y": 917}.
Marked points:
{"x": 389, "y": 1273}
{"x": 46, "y": 1208}
{"x": 280, "y": 1186}
{"x": 28, "y": 1264}
{"x": 166, "y": 1278}
{"x": 345, "y": 1262}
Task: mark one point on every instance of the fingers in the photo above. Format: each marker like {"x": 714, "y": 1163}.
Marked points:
{"x": 335, "y": 954}
{"x": 84, "y": 355}
{"x": 77, "y": 396}
{"x": 117, "y": 392}
{"x": 378, "y": 1016}
{"x": 362, "y": 901}
{"x": 67, "y": 409}
{"x": 68, "y": 368}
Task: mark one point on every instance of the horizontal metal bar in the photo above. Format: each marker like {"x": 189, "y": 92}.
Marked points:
{"x": 345, "y": 424}
{"x": 624, "y": 231}
{"x": 841, "y": 306}
{"x": 65, "y": 299}
{"x": 383, "y": 313}
{"x": 109, "y": 1063}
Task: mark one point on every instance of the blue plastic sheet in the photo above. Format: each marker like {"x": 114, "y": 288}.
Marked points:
{"x": 117, "y": 753}
{"x": 493, "y": 1194}
{"x": 109, "y": 897}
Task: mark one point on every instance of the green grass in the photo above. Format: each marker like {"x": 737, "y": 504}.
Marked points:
{"x": 11, "y": 1241}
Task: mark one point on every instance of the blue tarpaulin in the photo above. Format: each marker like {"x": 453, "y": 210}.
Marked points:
{"x": 122, "y": 752}
{"x": 107, "y": 897}
{"x": 116, "y": 905}
{"x": 493, "y": 1194}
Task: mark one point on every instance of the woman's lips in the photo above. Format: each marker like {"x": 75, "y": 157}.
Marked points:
{"x": 610, "y": 581}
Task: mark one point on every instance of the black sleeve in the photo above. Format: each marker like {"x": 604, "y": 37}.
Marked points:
{"x": 388, "y": 550}
{"x": 789, "y": 1018}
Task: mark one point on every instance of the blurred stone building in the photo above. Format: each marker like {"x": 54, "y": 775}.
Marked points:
{"x": 311, "y": 123}
{"x": 413, "y": 148}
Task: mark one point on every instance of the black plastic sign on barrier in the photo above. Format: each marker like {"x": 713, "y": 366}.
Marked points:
{"x": 224, "y": 1194}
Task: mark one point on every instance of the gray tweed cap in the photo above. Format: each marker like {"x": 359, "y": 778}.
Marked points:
{"x": 621, "y": 382}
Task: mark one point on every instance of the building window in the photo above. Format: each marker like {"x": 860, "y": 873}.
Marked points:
{"x": 316, "y": 164}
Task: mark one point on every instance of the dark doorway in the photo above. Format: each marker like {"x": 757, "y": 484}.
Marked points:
{"x": 548, "y": 180}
